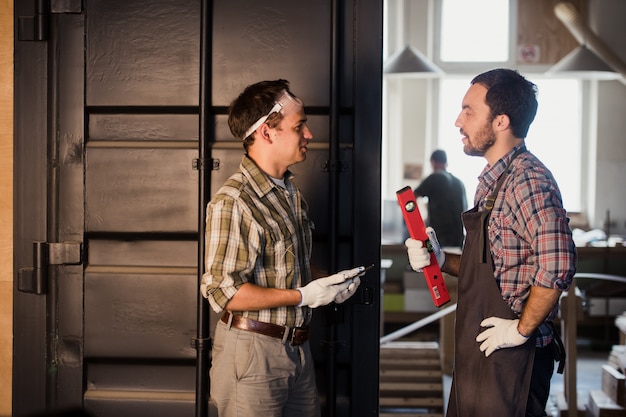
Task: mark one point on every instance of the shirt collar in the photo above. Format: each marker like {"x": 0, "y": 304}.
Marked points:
{"x": 260, "y": 182}
{"x": 491, "y": 173}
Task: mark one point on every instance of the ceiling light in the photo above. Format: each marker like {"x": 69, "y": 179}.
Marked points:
{"x": 591, "y": 60}
{"x": 410, "y": 62}
{"x": 583, "y": 63}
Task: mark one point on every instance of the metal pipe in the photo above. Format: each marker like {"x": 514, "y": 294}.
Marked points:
{"x": 206, "y": 130}
{"x": 334, "y": 167}
{"x": 52, "y": 295}
{"x": 566, "y": 12}
{"x": 417, "y": 325}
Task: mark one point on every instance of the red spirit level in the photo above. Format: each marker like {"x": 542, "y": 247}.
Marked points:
{"x": 417, "y": 230}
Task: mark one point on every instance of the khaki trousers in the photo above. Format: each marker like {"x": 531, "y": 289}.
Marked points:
{"x": 255, "y": 375}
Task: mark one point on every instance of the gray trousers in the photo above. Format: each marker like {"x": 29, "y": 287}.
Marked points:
{"x": 254, "y": 375}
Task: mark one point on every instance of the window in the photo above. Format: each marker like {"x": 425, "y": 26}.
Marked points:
{"x": 474, "y": 31}
{"x": 554, "y": 137}
{"x": 419, "y": 114}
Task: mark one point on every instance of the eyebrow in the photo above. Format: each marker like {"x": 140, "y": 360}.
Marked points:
{"x": 301, "y": 121}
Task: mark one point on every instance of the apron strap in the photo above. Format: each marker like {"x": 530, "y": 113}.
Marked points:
{"x": 558, "y": 350}
{"x": 490, "y": 201}
{"x": 489, "y": 204}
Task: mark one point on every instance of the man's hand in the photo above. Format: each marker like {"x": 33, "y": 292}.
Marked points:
{"x": 501, "y": 333}
{"x": 435, "y": 246}
{"x": 419, "y": 255}
{"x": 325, "y": 290}
{"x": 348, "y": 292}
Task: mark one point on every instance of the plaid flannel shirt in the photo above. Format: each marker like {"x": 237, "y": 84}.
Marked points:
{"x": 531, "y": 242}
{"x": 257, "y": 232}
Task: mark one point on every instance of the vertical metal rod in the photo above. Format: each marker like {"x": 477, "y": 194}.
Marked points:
{"x": 206, "y": 129}
{"x": 52, "y": 210}
{"x": 334, "y": 170}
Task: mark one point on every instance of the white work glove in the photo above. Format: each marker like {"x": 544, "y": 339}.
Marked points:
{"x": 419, "y": 255}
{"x": 348, "y": 292}
{"x": 322, "y": 291}
{"x": 501, "y": 333}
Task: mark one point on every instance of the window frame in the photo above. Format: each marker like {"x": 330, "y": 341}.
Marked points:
{"x": 473, "y": 67}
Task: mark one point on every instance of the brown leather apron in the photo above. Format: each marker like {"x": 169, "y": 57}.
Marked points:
{"x": 496, "y": 386}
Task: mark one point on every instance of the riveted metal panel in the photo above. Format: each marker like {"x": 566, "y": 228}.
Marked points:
{"x": 270, "y": 40}
{"x": 142, "y": 52}
{"x": 130, "y": 314}
{"x": 131, "y": 189}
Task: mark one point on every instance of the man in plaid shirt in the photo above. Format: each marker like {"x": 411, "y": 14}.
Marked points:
{"x": 518, "y": 258}
{"x": 258, "y": 248}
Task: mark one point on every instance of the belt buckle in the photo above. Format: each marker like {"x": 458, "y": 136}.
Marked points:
{"x": 290, "y": 334}
{"x": 297, "y": 336}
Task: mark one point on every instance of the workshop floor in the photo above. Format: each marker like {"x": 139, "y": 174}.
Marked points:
{"x": 588, "y": 377}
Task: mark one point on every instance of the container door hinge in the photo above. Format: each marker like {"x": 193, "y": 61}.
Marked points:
{"x": 206, "y": 163}
{"x": 35, "y": 279}
{"x": 338, "y": 166}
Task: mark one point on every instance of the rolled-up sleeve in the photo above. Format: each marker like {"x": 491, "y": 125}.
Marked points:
{"x": 555, "y": 254}
{"x": 229, "y": 254}
{"x": 547, "y": 227}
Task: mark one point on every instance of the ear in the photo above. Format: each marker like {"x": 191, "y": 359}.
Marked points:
{"x": 501, "y": 122}
{"x": 264, "y": 132}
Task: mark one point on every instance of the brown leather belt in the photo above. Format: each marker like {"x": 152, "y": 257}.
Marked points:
{"x": 294, "y": 335}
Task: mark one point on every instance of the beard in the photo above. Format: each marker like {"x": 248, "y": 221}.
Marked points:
{"x": 479, "y": 143}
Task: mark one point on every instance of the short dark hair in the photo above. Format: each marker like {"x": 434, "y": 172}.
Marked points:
{"x": 439, "y": 156}
{"x": 254, "y": 102}
{"x": 511, "y": 94}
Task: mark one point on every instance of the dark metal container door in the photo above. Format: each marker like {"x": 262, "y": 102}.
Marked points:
{"x": 114, "y": 197}
{"x": 48, "y": 207}
{"x": 331, "y": 53}
{"x": 115, "y": 135}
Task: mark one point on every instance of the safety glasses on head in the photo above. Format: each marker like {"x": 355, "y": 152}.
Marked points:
{"x": 286, "y": 104}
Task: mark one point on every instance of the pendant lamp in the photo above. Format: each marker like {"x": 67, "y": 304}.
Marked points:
{"x": 410, "y": 62}
{"x": 583, "y": 63}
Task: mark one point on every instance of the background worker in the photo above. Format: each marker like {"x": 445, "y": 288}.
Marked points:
{"x": 446, "y": 201}
{"x": 258, "y": 248}
{"x": 518, "y": 258}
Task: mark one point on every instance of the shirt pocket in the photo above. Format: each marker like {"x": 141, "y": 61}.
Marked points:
{"x": 280, "y": 254}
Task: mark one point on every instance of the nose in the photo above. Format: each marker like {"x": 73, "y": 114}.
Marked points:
{"x": 306, "y": 132}
{"x": 457, "y": 122}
